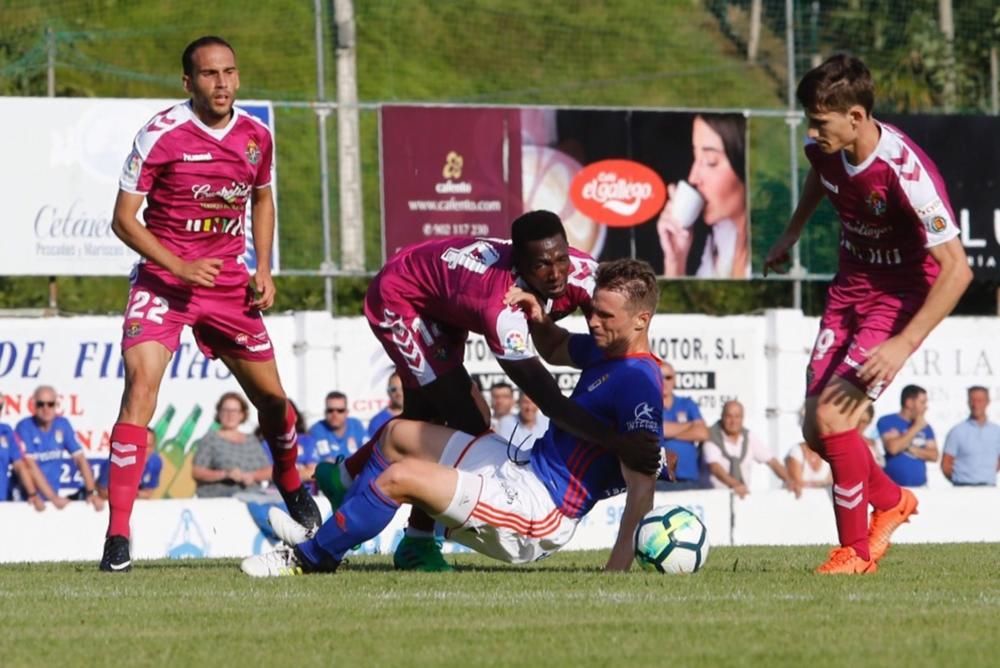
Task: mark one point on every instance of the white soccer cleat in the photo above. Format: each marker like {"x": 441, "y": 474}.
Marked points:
{"x": 288, "y": 530}
{"x": 279, "y": 562}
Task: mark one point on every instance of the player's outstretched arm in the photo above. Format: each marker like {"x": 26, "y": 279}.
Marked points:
{"x": 639, "y": 450}
{"x": 887, "y": 358}
{"x": 262, "y": 212}
{"x": 779, "y": 256}
{"x": 134, "y": 234}
{"x": 639, "y": 490}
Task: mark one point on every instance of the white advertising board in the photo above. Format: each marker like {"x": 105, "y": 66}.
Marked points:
{"x": 66, "y": 179}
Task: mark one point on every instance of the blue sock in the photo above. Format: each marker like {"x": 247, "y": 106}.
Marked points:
{"x": 363, "y": 515}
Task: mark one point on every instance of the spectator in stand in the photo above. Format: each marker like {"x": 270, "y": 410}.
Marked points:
{"x": 864, "y": 424}
{"x": 150, "y": 473}
{"x": 307, "y": 458}
{"x": 338, "y": 433}
{"x": 732, "y": 450}
{"x": 528, "y": 425}
{"x": 502, "y": 403}
{"x": 45, "y": 437}
{"x": 23, "y": 468}
{"x": 908, "y": 439}
{"x": 972, "y": 448}
{"x": 226, "y": 460}
{"x": 807, "y": 468}
{"x": 395, "y": 391}
{"x": 683, "y": 432}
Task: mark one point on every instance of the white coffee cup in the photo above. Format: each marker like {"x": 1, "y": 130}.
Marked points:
{"x": 686, "y": 204}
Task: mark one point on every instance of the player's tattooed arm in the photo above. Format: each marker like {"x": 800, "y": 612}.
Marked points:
{"x": 134, "y": 234}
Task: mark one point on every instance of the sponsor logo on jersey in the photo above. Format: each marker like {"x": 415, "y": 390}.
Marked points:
{"x": 234, "y": 193}
{"x": 618, "y": 193}
{"x": 829, "y": 186}
{"x": 241, "y": 339}
{"x": 215, "y": 225}
{"x": 643, "y": 414}
{"x": 476, "y": 257}
{"x": 931, "y": 208}
{"x": 253, "y": 152}
{"x": 197, "y": 157}
{"x": 864, "y": 229}
{"x": 133, "y": 329}
{"x": 597, "y": 383}
{"x": 514, "y": 342}
{"x": 876, "y": 203}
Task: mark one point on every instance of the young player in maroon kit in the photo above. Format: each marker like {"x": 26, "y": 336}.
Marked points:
{"x": 197, "y": 165}
{"x": 902, "y": 270}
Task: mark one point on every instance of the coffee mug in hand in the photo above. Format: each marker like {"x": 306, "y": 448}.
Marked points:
{"x": 686, "y": 204}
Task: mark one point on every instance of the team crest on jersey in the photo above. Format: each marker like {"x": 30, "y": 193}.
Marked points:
{"x": 253, "y": 152}
{"x": 876, "y": 203}
{"x": 514, "y": 342}
{"x": 937, "y": 224}
{"x": 133, "y": 329}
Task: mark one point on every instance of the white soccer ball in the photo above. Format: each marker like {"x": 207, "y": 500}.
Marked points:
{"x": 671, "y": 539}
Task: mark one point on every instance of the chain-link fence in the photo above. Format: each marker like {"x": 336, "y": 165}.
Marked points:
{"x": 926, "y": 56}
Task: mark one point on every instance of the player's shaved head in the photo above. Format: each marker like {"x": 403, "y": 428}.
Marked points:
{"x": 187, "y": 58}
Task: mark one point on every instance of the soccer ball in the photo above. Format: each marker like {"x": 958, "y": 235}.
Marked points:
{"x": 671, "y": 539}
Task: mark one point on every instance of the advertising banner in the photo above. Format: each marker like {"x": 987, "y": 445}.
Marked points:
{"x": 966, "y": 150}
{"x": 448, "y": 172}
{"x": 66, "y": 180}
{"x": 666, "y": 187}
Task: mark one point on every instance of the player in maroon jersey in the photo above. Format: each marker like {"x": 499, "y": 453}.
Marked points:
{"x": 421, "y": 307}
{"x": 197, "y": 165}
{"x": 902, "y": 270}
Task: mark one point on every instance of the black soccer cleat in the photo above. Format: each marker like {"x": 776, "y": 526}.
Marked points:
{"x": 116, "y": 557}
{"x": 303, "y": 508}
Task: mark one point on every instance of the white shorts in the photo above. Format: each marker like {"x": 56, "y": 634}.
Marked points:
{"x": 501, "y": 509}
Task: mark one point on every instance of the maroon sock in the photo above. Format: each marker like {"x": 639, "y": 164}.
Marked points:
{"x": 126, "y": 463}
{"x": 284, "y": 445}
{"x": 883, "y": 493}
{"x": 849, "y": 456}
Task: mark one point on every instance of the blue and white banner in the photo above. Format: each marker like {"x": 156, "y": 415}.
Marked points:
{"x": 63, "y": 157}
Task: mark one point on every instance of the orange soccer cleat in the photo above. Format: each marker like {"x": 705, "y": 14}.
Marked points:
{"x": 845, "y": 561}
{"x": 884, "y": 522}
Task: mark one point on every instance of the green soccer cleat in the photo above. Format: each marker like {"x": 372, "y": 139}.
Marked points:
{"x": 330, "y": 483}
{"x": 420, "y": 554}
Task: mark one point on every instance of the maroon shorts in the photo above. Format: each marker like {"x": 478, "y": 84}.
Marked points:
{"x": 858, "y": 317}
{"x": 421, "y": 349}
{"x": 223, "y": 319}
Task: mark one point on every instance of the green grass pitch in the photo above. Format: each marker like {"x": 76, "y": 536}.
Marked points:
{"x": 928, "y": 605}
